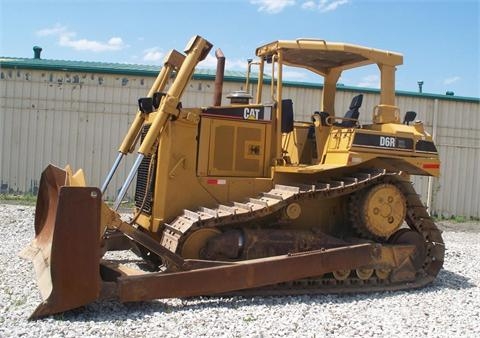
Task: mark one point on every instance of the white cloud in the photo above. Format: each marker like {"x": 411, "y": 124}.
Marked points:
{"x": 276, "y": 6}
{"x": 272, "y": 6}
{"x": 66, "y": 38}
{"x": 289, "y": 73}
{"x": 238, "y": 64}
{"x": 309, "y": 5}
{"x": 295, "y": 74}
{"x": 153, "y": 54}
{"x": 112, "y": 44}
{"x": 55, "y": 30}
{"x": 210, "y": 62}
{"x": 327, "y": 6}
{"x": 324, "y": 5}
{"x": 372, "y": 81}
{"x": 450, "y": 80}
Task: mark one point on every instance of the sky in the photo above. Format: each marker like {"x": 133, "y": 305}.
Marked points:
{"x": 440, "y": 39}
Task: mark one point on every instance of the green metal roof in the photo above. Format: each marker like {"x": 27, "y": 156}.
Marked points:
{"x": 206, "y": 74}
{"x": 377, "y": 91}
{"x": 106, "y": 68}
{"x": 79, "y": 66}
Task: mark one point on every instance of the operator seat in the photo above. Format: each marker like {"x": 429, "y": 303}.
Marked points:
{"x": 352, "y": 112}
{"x": 287, "y": 116}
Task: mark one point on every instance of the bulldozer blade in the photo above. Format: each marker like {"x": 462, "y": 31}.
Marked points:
{"x": 66, "y": 248}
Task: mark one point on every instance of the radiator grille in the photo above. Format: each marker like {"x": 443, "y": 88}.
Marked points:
{"x": 142, "y": 180}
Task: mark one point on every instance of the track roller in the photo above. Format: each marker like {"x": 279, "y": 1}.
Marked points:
{"x": 364, "y": 273}
{"x": 382, "y": 273}
{"x": 341, "y": 274}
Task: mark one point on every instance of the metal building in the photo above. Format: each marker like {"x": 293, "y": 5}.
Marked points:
{"x": 71, "y": 112}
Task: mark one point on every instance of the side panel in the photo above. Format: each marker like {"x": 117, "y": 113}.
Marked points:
{"x": 196, "y": 166}
{"x": 235, "y": 148}
{"x": 175, "y": 183}
{"x": 399, "y": 145}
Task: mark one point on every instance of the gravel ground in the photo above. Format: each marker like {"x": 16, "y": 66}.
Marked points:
{"x": 449, "y": 307}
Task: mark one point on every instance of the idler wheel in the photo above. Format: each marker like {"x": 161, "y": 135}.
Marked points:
{"x": 194, "y": 243}
{"x": 411, "y": 237}
{"x": 383, "y": 273}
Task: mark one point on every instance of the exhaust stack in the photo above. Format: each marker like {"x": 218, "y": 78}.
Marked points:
{"x": 217, "y": 96}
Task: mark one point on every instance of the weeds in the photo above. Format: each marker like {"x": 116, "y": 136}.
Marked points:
{"x": 24, "y": 199}
{"x": 456, "y": 218}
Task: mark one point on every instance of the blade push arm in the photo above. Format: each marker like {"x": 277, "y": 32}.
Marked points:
{"x": 196, "y": 50}
{"x": 173, "y": 61}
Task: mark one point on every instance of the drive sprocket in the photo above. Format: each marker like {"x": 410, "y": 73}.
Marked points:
{"x": 379, "y": 211}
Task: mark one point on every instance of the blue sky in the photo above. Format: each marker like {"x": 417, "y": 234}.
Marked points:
{"x": 440, "y": 40}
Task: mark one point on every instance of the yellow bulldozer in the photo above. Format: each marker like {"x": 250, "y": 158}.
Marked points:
{"x": 240, "y": 199}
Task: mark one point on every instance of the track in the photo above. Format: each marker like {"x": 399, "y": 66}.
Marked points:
{"x": 273, "y": 202}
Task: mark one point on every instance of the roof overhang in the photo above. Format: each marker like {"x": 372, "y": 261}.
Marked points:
{"x": 321, "y": 56}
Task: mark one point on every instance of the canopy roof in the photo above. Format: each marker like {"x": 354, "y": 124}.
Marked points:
{"x": 321, "y": 56}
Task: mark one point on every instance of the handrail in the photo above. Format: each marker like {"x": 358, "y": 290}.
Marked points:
{"x": 329, "y": 118}
{"x": 311, "y": 40}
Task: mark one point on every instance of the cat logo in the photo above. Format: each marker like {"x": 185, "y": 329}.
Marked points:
{"x": 251, "y": 113}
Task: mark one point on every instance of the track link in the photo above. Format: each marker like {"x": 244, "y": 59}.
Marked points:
{"x": 274, "y": 201}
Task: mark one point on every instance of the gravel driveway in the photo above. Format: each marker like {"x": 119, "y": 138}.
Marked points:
{"x": 450, "y": 307}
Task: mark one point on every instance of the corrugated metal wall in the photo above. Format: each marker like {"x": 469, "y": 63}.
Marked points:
{"x": 80, "y": 118}
{"x": 63, "y": 118}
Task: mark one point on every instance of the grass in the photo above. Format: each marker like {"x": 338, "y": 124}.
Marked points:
{"x": 20, "y": 301}
{"x": 125, "y": 205}
{"x": 24, "y": 199}
{"x": 249, "y": 318}
{"x": 31, "y": 200}
{"x": 456, "y": 218}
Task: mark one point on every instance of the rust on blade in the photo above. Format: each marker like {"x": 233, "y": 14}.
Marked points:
{"x": 50, "y": 182}
{"x": 66, "y": 250}
{"x": 256, "y": 272}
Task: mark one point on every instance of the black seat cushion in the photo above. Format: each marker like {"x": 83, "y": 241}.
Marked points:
{"x": 353, "y": 112}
